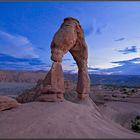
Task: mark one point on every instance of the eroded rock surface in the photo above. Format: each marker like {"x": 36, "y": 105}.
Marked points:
{"x": 69, "y": 38}
{"x": 7, "y": 103}
{"x": 53, "y": 84}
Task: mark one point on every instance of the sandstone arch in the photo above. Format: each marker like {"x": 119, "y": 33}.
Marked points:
{"x": 69, "y": 38}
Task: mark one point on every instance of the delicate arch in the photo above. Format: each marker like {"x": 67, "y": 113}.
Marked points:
{"x": 69, "y": 38}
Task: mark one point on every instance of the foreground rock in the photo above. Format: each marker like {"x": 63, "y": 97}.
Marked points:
{"x": 34, "y": 94}
{"x": 30, "y": 95}
{"x": 7, "y": 103}
{"x": 119, "y": 112}
{"x": 59, "y": 120}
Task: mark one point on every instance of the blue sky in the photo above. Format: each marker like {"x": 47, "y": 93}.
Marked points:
{"x": 111, "y": 30}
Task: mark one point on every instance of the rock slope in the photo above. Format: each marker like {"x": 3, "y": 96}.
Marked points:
{"x": 59, "y": 120}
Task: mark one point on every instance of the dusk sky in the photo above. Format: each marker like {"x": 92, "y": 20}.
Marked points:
{"x": 112, "y": 33}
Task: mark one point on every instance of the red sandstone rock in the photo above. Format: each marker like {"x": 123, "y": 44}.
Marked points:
{"x": 37, "y": 93}
{"x": 48, "y": 98}
{"x": 7, "y": 103}
{"x": 70, "y": 37}
{"x": 53, "y": 84}
{"x": 70, "y": 85}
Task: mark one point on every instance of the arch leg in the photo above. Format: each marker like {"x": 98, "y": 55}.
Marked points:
{"x": 83, "y": 84}
{"x": 53, "y": 84}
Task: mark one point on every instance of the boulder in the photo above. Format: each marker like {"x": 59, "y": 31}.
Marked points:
{"x": 7, "y": 103}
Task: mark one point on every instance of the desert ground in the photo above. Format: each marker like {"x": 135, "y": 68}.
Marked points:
{"x": 107, "y": 113}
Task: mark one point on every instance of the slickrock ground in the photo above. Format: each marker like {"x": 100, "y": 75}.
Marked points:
{"x": 121, "y": 112}
{"x": 60, "y": 120}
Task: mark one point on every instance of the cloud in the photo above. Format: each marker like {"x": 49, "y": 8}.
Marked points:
{"x": 128, "y": 50}
{"x": 8, "y": 58}
{"x": 125, "y": 67}
{"x": 93, "y": 69}
{"x": 128, "y": 67}
{"x": 10, "y": 62}
{"x": 40, "y": 48}
{"x": 100, "y": 29}
{"x": 16, "y": 45}
{"x": 67, "y": 59}
{"x": 88, "y": 30}
{"x": 120, "y": 39}
{"x": 70, "y": 71}
{"x": 125, "y": 62}
{"x": 72, "y": 65}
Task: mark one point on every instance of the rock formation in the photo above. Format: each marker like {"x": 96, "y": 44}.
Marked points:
{"x": 7, "y": 103}
{"x": 53, "y": 84}
{"x": 34, "y": 94}
{"x": 70, "y": 37}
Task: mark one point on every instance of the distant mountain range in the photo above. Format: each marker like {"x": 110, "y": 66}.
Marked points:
{"x": 21, "y": 76}
{"x": 114, "y": 80}
{"x": 34, "y": 76}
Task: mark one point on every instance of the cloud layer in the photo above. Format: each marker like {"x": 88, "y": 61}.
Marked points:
{"x": 16, "y": 45}
{"x": 120, "y": 39}
{"x": 10, "y": 62}
{"x": 126, "y": 67}
{"x": 127, "y": 50}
